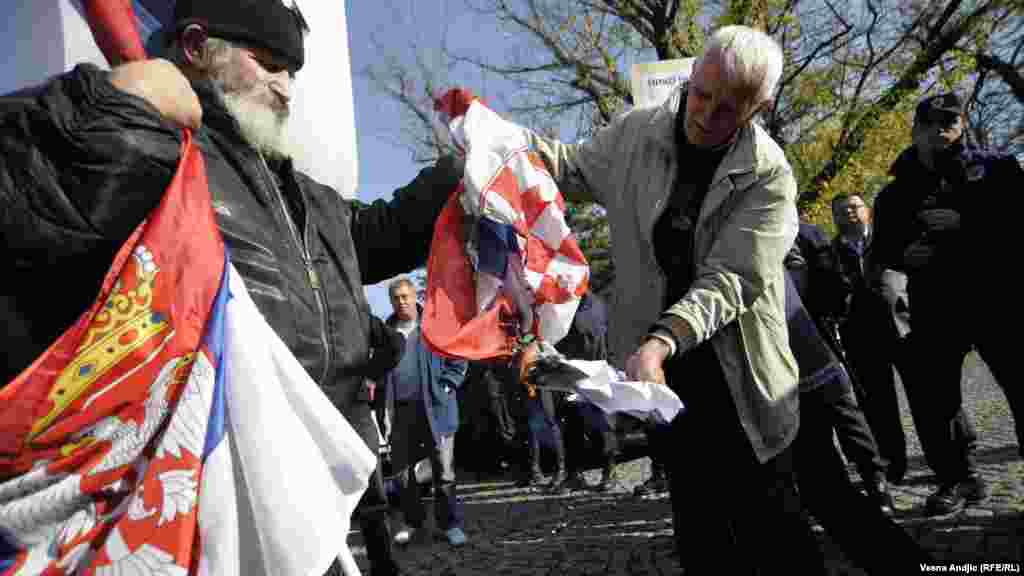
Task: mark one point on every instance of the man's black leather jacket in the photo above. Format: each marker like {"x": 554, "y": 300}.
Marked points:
{"x": 82, "y": 163}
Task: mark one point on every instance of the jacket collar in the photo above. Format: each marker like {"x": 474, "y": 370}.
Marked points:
{"x": 967, "y": 156}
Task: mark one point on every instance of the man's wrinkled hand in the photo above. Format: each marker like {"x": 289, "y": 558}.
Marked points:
{"x": 160, "y": 83}
{"x": 645, "y": 365}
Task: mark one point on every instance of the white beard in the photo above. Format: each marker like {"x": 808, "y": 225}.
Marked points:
{"x": 263, "y": 128}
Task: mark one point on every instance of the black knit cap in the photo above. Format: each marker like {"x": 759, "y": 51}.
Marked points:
{"x": 265, "y": 23}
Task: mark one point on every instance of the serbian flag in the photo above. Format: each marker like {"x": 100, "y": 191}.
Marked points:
{"x": 138, "y": 443}
{"x": 169, "y": 431}
{"x": 503, "y": 262}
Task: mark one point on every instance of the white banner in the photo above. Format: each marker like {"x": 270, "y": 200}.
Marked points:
{"x": 652, "y": 82}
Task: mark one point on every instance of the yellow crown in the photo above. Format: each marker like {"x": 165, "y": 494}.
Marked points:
{"x": 124, "y": 324}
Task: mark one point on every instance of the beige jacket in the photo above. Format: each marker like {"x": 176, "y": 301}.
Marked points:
{"x": 746, "y": 225}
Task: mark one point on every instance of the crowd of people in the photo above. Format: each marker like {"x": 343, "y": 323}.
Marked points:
{"x": 773, "y": 336}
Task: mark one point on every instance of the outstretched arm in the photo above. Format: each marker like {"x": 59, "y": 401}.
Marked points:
{"x": 393, "y": 237}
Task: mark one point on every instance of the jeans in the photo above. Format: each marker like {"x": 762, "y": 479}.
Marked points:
{"x": 441, "y": 453}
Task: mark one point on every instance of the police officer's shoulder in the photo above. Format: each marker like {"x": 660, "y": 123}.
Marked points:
{"x": 982, "y": 163}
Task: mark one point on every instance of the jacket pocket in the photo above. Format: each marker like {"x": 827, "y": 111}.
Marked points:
{"x": 257, "y": 265}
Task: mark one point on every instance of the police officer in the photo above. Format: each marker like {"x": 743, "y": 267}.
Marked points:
{"x": 940, "y": 221}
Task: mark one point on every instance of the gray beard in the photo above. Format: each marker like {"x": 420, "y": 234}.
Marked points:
{"x": 261, "y": 127}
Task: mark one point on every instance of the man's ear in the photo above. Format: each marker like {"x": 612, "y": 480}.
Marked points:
{"x": 193, "y": 45}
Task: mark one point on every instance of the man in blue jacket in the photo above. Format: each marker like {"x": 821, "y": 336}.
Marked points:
{"x": 421, "y": 396}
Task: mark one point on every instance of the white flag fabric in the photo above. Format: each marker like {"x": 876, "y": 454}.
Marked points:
{"x": 599, "y": 383}
{"x": 608, "y": 389}
{"x": 302, "y": 466}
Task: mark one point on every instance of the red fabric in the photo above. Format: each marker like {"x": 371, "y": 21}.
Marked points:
{"x": 454, "y": 102}
{"x": 113, "y": 27}
{"x": 150, "y": 316}
{"x": 450, "y": 325}
{"x": 517, "y": 197}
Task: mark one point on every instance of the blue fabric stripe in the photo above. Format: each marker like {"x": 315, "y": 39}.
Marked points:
{"x": 8, "y": 553}
{"x": 495, "y": 242}
{"x": 148, "y": 15}
{"x": 156, "y": 11}
{"x": 215, "y": 342}
{"x": 146, "y": 21}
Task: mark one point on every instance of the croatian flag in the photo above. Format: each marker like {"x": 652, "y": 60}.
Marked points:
{"x": 503, "y": 261}
{"x": 140, "y": 441}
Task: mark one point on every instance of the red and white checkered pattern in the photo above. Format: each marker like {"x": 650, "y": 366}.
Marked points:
{"x": 505, "y": 182}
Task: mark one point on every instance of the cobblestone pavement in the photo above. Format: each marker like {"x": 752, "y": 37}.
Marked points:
{"x": 514, "y": 531}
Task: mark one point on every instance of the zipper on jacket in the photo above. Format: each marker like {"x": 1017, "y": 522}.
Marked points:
{"x": 311, "y": 275}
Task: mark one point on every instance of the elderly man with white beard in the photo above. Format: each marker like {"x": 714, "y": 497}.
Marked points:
{"x": 85, "y": 157}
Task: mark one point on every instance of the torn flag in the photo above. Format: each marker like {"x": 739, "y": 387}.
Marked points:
{"x": 502, "y": 252}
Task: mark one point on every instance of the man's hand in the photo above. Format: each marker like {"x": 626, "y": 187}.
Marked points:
{"x": 645, "y": 365}
{"x": 527, "y": 358}
{"x": 160, "y": 83}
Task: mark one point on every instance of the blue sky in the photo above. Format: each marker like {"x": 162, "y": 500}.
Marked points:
{"x": 384, "y": 165}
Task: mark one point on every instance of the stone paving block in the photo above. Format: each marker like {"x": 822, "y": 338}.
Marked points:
{"x": 519, "y": 532}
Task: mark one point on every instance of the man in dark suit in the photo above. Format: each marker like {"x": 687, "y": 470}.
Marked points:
{"x": 811, "y": 266}
{"x": 873, "y": 318}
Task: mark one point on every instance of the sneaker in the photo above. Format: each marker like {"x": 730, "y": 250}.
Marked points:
{"x": 404, "y": 535}
{"x": 455, "y": 536}
{"x": 656, "y": 484}
{"x": 954, "y": 496}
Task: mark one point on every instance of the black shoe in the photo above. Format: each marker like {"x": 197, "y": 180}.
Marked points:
{"x": 656, "y": 484}
{"x": 576, "y": 482}
{"x": 879, "y": 494}
{"x": 953, "y": 496}
{"x": 532, "y": 479}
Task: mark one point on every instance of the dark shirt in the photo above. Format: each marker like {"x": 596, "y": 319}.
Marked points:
{"x": 407, "y": 373}
{"x": 588, "y": 336}
{"x": 674, "y": 229}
